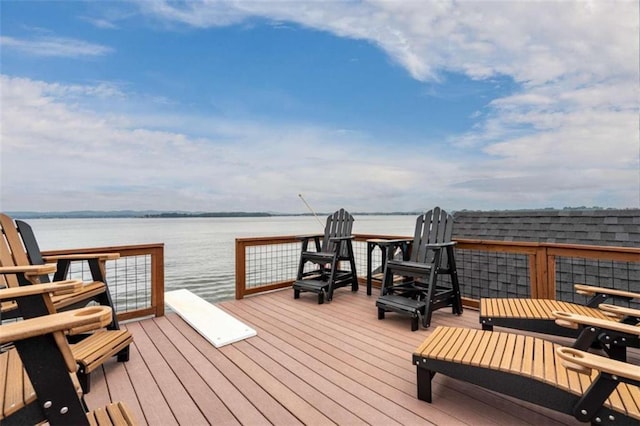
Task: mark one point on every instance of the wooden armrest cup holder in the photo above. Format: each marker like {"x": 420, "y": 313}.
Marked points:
{"x": 586, "y": 361}
{"x": 618, "y": 311}
{"x": 566, "y": 353}
{"x": 563, "y": 320}
{"x": 588, "y": 290}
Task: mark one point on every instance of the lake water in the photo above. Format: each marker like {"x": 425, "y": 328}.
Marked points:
{"x": 199, "y": 252}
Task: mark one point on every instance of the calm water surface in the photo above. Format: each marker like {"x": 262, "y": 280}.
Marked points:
{"x": 199, "y": 252}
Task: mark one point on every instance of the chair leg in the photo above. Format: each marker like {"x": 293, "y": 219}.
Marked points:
{"x": 321, "y": 297}
{"x": 380, "y": 313}
{"x": 123, "y": 355}
{"x": 296, "y": 293}
{"x": 424, "y": 377}
{"x": 85, "y": 382}
{"x": 414, "y": 323}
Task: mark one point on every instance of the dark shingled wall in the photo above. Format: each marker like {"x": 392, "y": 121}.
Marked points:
{"x": 592, "y": 227}
{"x": 505, "y": 275}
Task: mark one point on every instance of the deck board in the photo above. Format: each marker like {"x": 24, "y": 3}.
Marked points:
{"x": 334, "y": 363}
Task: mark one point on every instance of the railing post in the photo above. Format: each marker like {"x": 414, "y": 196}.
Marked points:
{"x": 241, "y": 279}
{"x": 551, "y": 275}
{"x": 540, "y": 286}
{"x": 157, "y": 280}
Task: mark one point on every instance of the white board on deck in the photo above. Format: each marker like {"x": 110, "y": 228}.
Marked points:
{"x": 214, "y": 324}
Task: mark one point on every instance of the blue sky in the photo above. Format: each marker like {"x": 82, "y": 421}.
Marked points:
{"x": 367, "y": 105}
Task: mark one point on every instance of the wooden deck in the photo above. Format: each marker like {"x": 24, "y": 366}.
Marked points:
{"x": 309, "y": 364}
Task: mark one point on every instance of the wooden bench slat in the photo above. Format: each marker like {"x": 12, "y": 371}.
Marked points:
{"x": 518, "y": 352}
{"x": 458, "y": 348}
{"x": 549, "y": 363}
{"x": 480, "y": 348}
{"x": 498, "y": 351}
{"x": 507, "y": 358}
{"x": 443, "y": 344}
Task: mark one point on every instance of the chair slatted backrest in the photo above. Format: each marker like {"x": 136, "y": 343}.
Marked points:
{"x": 12, "y": 252}
{"x": 339, "y": 224}
{"x": 432, "y": 227}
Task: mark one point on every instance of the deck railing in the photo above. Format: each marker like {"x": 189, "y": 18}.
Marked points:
{"x": 135, "y": 279}
{"x": 485, "y": 268}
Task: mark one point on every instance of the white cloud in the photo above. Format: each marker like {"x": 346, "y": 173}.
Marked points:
{"x": 53, "y": 146}
{"x": 54, "y": 46}
{"x": 102, "y": 23}
{"x": 568, "y": 136}
{"x": 59, "y": 155}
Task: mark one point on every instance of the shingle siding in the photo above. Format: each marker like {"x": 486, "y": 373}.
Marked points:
{"x": 480, "y": 278}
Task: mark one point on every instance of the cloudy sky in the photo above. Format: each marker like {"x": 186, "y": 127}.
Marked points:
{"x": 370, "y": 105}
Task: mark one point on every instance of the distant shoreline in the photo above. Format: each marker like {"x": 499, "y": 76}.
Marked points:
{"x": 151, "y": 214}
{"x": 171, "y": 215}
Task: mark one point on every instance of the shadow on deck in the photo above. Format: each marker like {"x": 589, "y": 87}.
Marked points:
{"x": 309, "y": 364}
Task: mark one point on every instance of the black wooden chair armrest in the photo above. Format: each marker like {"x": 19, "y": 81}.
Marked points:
{"x": 308, "y": 237}
{"x": 441, "y": 245}
{"x": 395, "y": 242}
{"x": 348, "y": 237}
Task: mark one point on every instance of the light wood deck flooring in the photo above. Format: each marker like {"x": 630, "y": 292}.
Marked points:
{"x": 309, "y": 364}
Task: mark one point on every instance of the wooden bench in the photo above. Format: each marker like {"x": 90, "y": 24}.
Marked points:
{"x": 531, "y": 369}
{"x": 536, "y": 314}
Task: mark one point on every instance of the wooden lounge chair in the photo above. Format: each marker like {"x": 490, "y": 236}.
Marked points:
{"x": 91, "y": 349}
{"x": 590, "y": 387}
{"x": 536, "y": 314}
{"x": 334, "y": 248}
{"x": 418, "y": 293}
{"x": 24, "y": 250}
{"x": 38, "y": 371}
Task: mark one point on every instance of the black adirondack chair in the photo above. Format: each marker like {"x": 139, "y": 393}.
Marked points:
{"x": 325, "y": 274}
{"x": 411, "y": 287}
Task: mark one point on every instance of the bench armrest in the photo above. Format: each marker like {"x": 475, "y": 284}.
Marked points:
{"x": 589, "y": 290}
{"x": 619, "y": 311}
{"x": 584, "y": 362}
{"x": 60, "y": 287}
{"x": 90, "y": 317}
{"x": 567, "y": 319}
